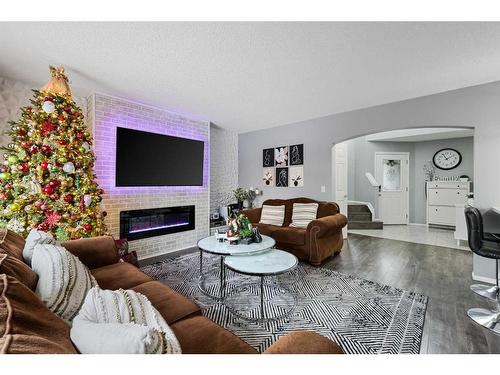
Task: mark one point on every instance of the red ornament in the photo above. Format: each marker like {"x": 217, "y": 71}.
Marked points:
{"x": 22, "y": 132}
{"x": 54, "y": 183}
{"x": 69, "y": 198}
{"x": 49, "y": 98}
{"x": 43, "y": 226}
{"x": 46, "y": 149}
{"x": 52, "y": 218}
{"x": 63, "y": 142}
{"x": 61, "y": 118}
{"x": 44, "y": 164}
{"x": 33, "y": 149}
{"x": 79, "y": 135}
{"x": 24, "y": 167}
{"x": 25, "y": 144}
{"x": 67, "y": 109}
{"x": 47, "y": 127}
{"x": 88, "y": 227}
{"x": 47, "y": 189}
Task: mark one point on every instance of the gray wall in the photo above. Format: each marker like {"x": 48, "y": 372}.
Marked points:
{"x": 475, "y": 107}
{"x": 361, "y": 159}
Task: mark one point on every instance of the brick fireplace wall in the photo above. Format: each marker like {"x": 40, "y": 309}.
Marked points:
{"x": 107, "y": 113}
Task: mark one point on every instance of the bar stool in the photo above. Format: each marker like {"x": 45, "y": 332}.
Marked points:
{"x": 486, "y": 245}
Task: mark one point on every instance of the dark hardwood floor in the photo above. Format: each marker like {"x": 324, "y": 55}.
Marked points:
{"x": 443, "y": 274}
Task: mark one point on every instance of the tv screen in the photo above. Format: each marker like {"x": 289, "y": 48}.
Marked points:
{"x": 148, "y": 159}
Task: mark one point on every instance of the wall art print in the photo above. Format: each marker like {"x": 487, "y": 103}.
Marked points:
{"x": 268, "y": 157}
{"x": 296, "y": 176}
{"x": 281, "y": 157}
{"x": 297, "y": 154}
{"x": 268, "y": 176}
{"x": 282, "y": 177}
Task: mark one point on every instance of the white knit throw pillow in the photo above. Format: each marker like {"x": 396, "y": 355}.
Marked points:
{"x": 274, "y": 215}
{"x": 63, "y": 281}
{"x": 34, "y": 238}
{"x": 303, "y": 214}
{"x": 121, "y": 322}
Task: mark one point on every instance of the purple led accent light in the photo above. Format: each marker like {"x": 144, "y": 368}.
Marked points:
{"x": 160, "y": 227}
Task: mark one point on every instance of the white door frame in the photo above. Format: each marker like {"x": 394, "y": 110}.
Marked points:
{"x": 344, "y": 199}
{"x": 406, "y": 183}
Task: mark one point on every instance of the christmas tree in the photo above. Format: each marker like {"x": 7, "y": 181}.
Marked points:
{"x": 47, "y": 180}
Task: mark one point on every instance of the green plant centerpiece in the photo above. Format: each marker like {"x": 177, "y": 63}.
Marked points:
{"x": 245, "y": 226}
{"x": 240, "y": 228}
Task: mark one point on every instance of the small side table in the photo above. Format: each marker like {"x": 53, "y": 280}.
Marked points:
{"x": 270, "y": 263}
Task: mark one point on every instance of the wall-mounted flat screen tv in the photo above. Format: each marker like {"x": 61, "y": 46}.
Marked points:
{"x": 149, "y": 159}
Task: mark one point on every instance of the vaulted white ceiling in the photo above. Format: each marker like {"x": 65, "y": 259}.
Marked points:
{"x": 248, "y": 76}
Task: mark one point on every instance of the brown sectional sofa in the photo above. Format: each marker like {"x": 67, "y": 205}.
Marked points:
{"x": 321, "y": 239}
{"x": 27, "y": 326}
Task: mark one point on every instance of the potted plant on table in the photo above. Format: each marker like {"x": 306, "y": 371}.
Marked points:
{"x": 240, "y": 195}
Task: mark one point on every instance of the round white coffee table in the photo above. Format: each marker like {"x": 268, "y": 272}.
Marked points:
{"x": 270, "y": 263}
{"x": 211, "y": 245}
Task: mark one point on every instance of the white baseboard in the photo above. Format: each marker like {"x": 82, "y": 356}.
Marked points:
{"x": 418, "y": 224}
{"x": 489, "y": 280}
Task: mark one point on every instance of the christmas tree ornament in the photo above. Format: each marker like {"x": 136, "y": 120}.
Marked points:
{"x": 86, "y": 146}
{"x": 46, "y": 149}
{"x": 4, "y": 176}
{"x": 68, "y": 198}
{"x": 88, "y": 227}
{"x": 69, "y": 167}
{"x": 44, "y": 164}
{"x": 12, "y": 159}
{"x": 48, "y": 106}
{"x": 87, "y": 200}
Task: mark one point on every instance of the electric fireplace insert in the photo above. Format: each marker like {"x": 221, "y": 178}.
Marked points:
{"x": 137, "y": 224}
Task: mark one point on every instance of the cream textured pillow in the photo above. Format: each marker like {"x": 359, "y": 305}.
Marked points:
{"x": 121, "y": 322}
{"x": 303, "y": 214}
{"x": 34, "y": 238}
{"x": 274, "y": 215}
{"x": 63, "y": 281}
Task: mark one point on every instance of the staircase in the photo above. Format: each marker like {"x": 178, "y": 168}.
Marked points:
{"x": 360, "y": 217}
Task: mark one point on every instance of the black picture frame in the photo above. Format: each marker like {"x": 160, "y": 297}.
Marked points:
{"x": 281, "y": 177}
{"x": 444, "y": 149}
{"x": 268, "y": 157}
{"x": 296, "y": 154}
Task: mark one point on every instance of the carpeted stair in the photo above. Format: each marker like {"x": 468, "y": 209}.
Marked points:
{"x": 360, "y": 217}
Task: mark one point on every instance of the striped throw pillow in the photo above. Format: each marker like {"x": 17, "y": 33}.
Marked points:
{"x": 303, "y": 214}
{"x": 121, "y": 322}
{"x": 34, "y": 238}
{"x": 274, "y": 215}
{"x": 63, "y": 281}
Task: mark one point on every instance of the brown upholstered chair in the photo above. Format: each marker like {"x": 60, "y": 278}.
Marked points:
{"x": 321, "y": 239}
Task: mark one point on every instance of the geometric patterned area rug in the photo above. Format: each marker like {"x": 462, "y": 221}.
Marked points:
{"x": 363, "y": 317}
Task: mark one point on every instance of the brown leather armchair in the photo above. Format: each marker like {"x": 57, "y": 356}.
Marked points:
{"x": 321, "y": 239}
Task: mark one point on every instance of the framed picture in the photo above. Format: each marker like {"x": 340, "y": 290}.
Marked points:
{"x": 281, "y": 157}
{"x": 296, "y": 176}
{"x": 268, "y": 177}
{"x": 268, "y": 157}
{"x": 297, "y": 154}
{"x": 282, "y": 177}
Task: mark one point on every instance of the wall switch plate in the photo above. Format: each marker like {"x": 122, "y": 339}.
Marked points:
{"x": 323, "y": 188}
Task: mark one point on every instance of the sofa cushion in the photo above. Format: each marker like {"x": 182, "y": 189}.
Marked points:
{"x": 266, "y": 229}
{"x": 290, "y": 235}
{"x": 63, "y": 281}
{"x": 119, "y": 275}
{"x": 274, "y": 215}
{"x": 303, "y": 214}
{"x": 12, "y": 266}
{"x": 11, "y": 243}
{"x": 121, "y": 322}
{"x": 36, "y": 237}
{"x": 199, "y": 335}
{"x": 171, "y": 305}
{"x": 27, "y": 326}
{"x": 94, "y": 252}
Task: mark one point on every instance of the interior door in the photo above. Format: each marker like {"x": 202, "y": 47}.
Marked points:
{"x": 339, "y": 152}
{"x": 391, "y": 171}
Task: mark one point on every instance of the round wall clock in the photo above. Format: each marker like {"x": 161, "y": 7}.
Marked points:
{"x": 447, "y": 158}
